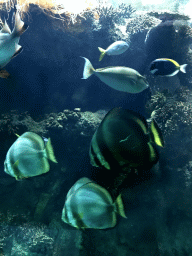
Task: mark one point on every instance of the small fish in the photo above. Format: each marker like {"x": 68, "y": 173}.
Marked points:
{"x": 28, "y": 156}
{"x": 123, "y": 139}
{"x": 119, "y": 78}
{"x": 166, "y": 67}
{"x": 9, "y": 43}
{"x": 88, "y": 205}
{"x": 116, "y": 48}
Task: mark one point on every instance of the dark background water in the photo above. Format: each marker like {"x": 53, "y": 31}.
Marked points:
{"x": 46, "y": 76}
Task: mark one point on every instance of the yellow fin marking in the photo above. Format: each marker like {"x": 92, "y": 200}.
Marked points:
{"x": 50, "y": 152}
{"x": 157, "y": 134}
{"x": 120, "y": 207}
{"x": 173, "y": 61}
{"x": 17, "y": 174}
{"x": 152, "y": 152}
{"x": 103, "y": 52}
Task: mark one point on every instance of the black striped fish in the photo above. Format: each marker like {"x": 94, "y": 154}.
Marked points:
{"x": 166, "y": 67}
{"x": 28, "y": 156}
{"x": 124, "y": 140}
{"x": 88, "y": 205}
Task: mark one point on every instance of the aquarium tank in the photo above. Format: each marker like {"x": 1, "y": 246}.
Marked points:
{"x": 96, "y": 128}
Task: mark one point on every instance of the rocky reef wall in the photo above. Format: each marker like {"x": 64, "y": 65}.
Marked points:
{"x": 44, "y": 89}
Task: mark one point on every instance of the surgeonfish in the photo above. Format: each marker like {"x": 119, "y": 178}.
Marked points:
{"x": 124, "y": 140}
{"x": 119, "y": 78}
{"x": 116, "y": 48}
{"x": 166, "y": 67}
{"x": 88, "y": 205}
{"x": 9, "y": 43}
{"x": 28, "y": 156}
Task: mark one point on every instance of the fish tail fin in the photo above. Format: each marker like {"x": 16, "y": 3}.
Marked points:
{"x": 156, "y": 134}
{"x": 119, "y": 207}
{"x": 103, "y": 52}
{"x": 19, "y": 27}
{"x": 88, "y": 69}
{"x": 49, "y": 151}
{"x": 183, "y": 68}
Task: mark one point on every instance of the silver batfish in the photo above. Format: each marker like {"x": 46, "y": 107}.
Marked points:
{"x": 28, "y": 156}
{"x": 88, "y": 205}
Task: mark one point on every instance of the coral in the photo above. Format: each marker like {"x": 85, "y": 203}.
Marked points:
{"x": 172, "y": 113}
{"x": 141, "y": 22}
{"x": 36, "y": 239}
{"x": 183, "y": 36}
{"x": 108, "y": 15}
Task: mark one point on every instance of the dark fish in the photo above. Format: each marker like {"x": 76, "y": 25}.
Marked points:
{"x": 123, "y": 139}
{"x": 166, "y": 67}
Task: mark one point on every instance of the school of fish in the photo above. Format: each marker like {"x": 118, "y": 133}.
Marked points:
{"x": 123, "y": 139}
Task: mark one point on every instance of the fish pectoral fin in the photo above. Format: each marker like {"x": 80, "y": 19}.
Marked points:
{"x": 4, "y": 73}
{"x": 19, "y": 49}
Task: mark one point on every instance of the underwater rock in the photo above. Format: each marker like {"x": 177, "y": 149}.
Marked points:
{"x": 154, "y": 208}
{"x": 168, "y": 15}
{"x": 172, "y": 38}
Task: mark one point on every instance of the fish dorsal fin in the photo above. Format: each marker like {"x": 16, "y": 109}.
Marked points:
{"x": 173, "y": 61}
{"x": 19, "y": 49}
{"x": 119, "y": 207}
{"x": 5, "y": 28}
{"x": 50, "y": 152}
{"x": 156, "y": 134}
